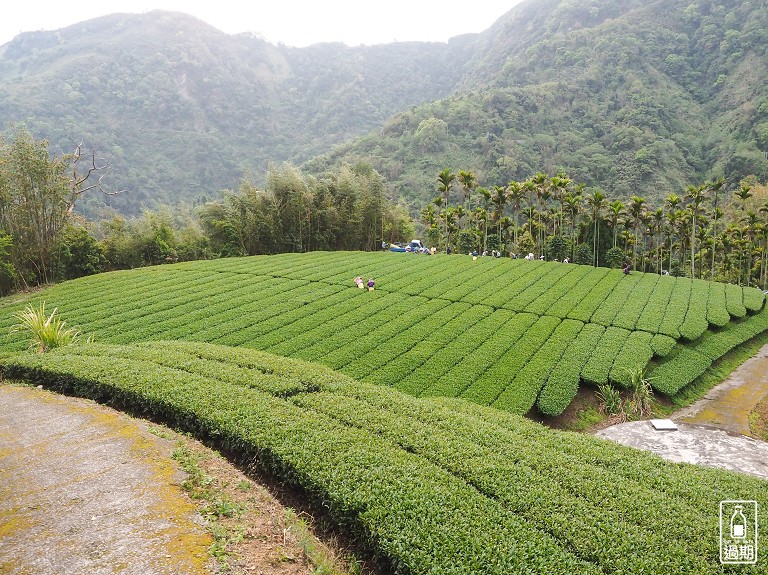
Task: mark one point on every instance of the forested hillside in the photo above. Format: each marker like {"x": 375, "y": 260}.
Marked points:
{"x": 184, "y": 110}
{"x": 633, "y": 97}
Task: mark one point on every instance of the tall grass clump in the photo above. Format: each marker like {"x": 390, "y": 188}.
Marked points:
{"x": 641, "y": 403}
{"x": 47, "y": 331}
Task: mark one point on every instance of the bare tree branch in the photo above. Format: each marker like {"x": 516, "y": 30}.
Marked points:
{"x": 78, "y": 181}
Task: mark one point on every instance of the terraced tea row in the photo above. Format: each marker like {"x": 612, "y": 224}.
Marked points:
{"x": 427, "y": 485}
{"x": 590, "y": 295}
{"x": 496, "y": 332}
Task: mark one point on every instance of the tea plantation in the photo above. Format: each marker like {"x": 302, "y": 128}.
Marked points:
{"x": 512, "y": 334}
{"x": 426, "y": 485}
{"x": 285, "y": 364}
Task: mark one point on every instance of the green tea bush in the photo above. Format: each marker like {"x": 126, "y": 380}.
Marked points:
{"x": 432, "y": 326}
{"x": 425, "y": 485}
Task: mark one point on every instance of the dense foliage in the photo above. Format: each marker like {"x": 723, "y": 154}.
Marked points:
{"x": 427, "y": 486}
{"x": 185, "y": 111}
{"x": 705, "y": 232}
{"x": 42, "y": 240}
{"x": 512, "y": 334}
{"x": 632, "y": 97}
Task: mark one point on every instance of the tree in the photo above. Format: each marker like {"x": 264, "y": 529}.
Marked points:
{"x": 636, "y": 210}
{"x": 445, "y": 181}
{"x": 573, "y": 203}
{"x": 79, "y": 254}
{"x": 715, "y": 188}
{"x": 38, "y": 193}
{"x": 541, "y": 184}
{"x": 596, "y": 202}
{"x": 482, "y": 212}
{"x": 468, "y": 185}
{"x": 616, "y": 210}
{"x": 516, "y": 195}
{"x": 695, "y": 195}
{"x": 34, "y": 205}
{"x": 744, "y": 193}
{"x": 499, "y": 200}
{"x": 7, "y": 270}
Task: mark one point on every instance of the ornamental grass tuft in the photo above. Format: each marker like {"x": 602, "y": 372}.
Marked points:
{"x": 47, "y": 331}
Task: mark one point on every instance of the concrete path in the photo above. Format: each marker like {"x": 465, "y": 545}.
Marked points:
{"x": 714, "y": 431}
{"x": 727, "y": 406}
{"x": 87, "y": 490}
{"x": 695, "y": 444}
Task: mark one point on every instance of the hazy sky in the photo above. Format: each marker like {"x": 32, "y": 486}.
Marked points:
{"x": 292, "y": 22}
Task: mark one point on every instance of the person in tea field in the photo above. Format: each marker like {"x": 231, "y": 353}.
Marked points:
{"x": 359, "y": 282}
{"x": 370, "y": 284}
{"x": 625, "y": 269}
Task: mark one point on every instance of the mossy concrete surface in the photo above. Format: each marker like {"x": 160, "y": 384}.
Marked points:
{"x": 85, "y": 489}
{"x": 727, "y": 406}
{"x": 695, "y": 444}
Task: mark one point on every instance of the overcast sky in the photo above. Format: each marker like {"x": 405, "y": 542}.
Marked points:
{"x": 292, "y": 22}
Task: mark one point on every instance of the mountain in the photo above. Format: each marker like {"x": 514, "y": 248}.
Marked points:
{"x": 632, "y": 96}
{"x": 184, "y": 110}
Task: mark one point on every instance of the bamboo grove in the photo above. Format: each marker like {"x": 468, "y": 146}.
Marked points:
{"x": 705, "y": 231}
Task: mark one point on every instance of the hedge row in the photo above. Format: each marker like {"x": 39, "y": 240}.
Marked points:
{"x": 563, "y": 382}
{"x": 305, "y": 306}
{"x": 487, "y": 388}
{"x": 520, "y": 396}
{"x": 598, "y": 367}
{"x": 427, "y": 486}
{"x": 685, "y": 364}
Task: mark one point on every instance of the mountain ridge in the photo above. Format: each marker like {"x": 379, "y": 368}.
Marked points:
{"x": 630, "y": 97}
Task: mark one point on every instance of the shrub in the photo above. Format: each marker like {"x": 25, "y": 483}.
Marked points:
{"x": 48, "y": 331}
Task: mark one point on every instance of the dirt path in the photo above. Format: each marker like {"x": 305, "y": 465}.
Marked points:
{"x": 713, "y": 431}
{"x": 84, "y": 489}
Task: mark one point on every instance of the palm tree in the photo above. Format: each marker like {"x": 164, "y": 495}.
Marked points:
{"x": 715, "y": 188}
{"x": 670, "y": 229}
{"x": 616, "y": 209}
{"x": 516, "y": 195}
{"x": 657, "y": 224}
{"x": 529, "y": 189}
{"x": 468, "y": 185}
{"x": 753, "y": 225}
{"x": 499, "y": 199}
{"x": 445, "y": 181}
{"x": 596, "y": 201}
{"x": 573, "y": 201}
{"x": 744, "y": 193}
{"x": 482, "y": 211}
{"x": 429, "y": 219}
{"x": 764, "y": 254}
{"x": 636, "y": 210}
{"x": 671, "y": 202}
{"x": 559, "y": 185}
{"x": 683, "y": 230}
{"x": 695, "y": 195}
{"x": 541, "y": 184}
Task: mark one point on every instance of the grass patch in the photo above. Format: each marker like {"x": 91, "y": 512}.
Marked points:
{"x": 229, "y": 503}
